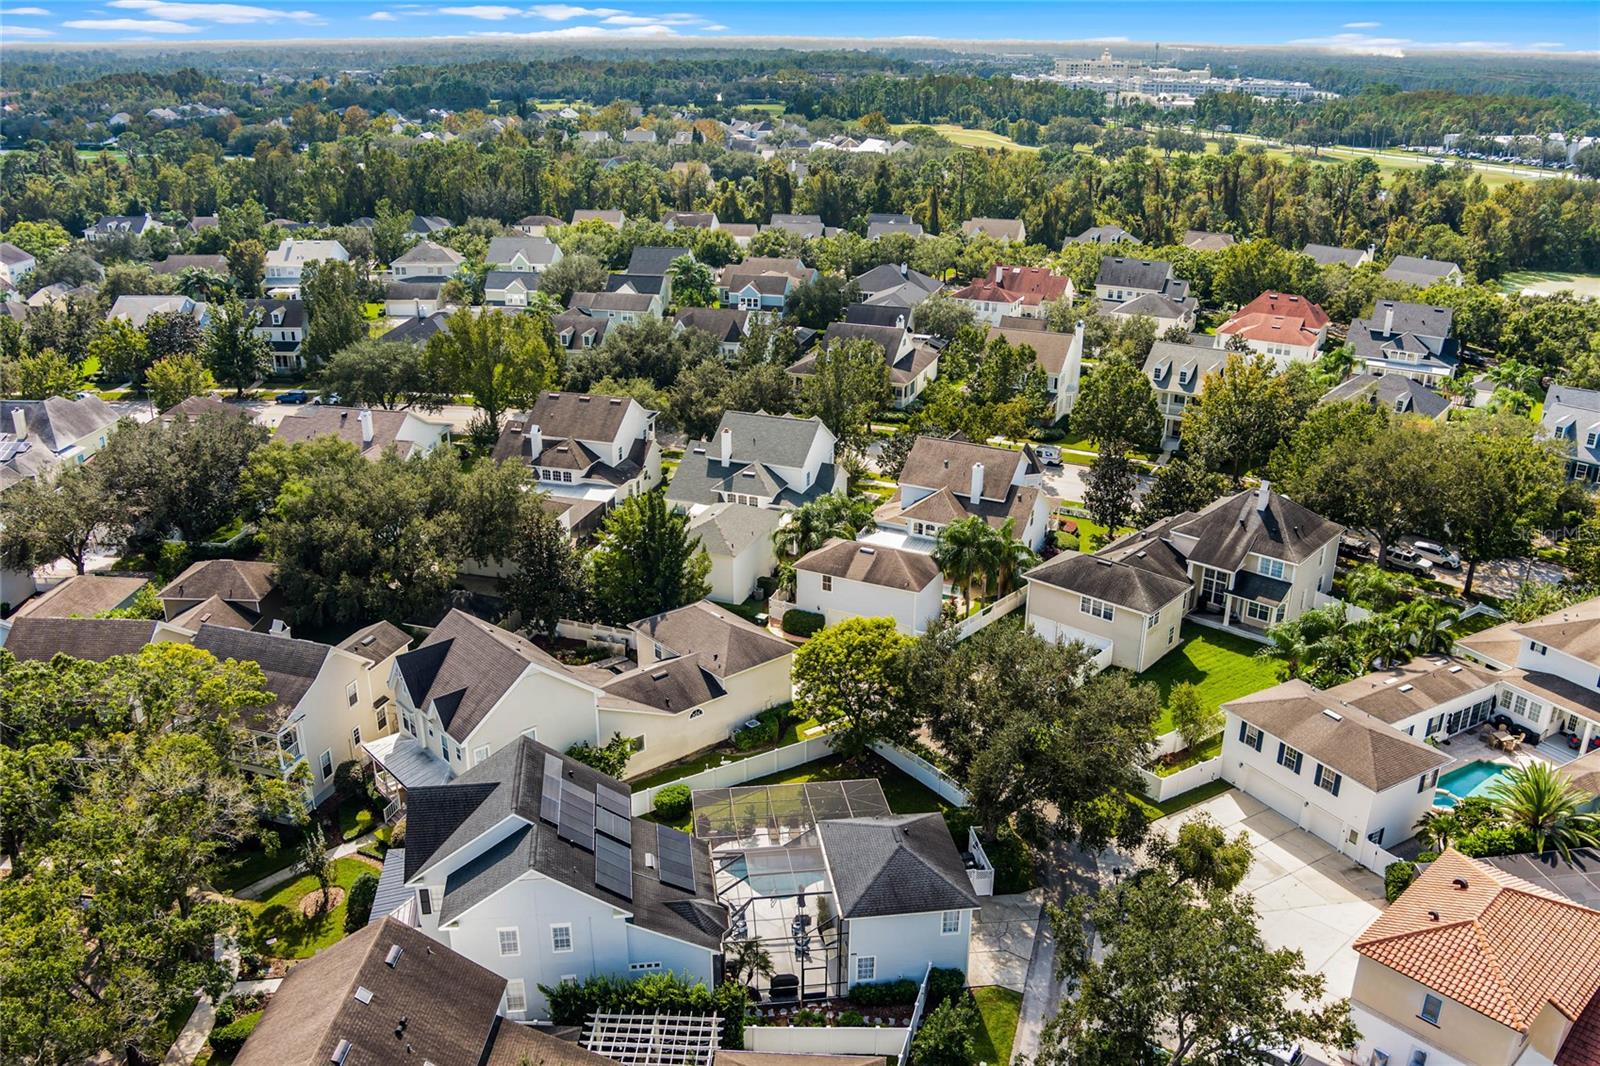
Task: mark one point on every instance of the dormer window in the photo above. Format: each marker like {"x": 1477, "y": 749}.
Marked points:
{"x": 1593, "y": 438}
{"x": 566, "y": 338}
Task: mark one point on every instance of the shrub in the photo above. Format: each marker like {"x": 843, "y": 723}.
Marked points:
{"x": 230, "y": 1038}
{"x": 758, "y": 735}
{"x": 673, "y": 802}
{"x": 803, "y": 623}
{"x": 571, "y": 1002}
{"x": 348, "y": 781}
{"x": 808, "y": 1019}
{"x": 944, "y": 983}
{"x": 946, "y": 1036}
{"x": 852, "y": 1018}
{"x": 358, "y": 904}
{"x": 901, "y": 993}
{"x": 610, "y": 759}
{"x": 1495, "y": 840}
{"x": 1397, "y": 876}
{"x": 1427, "y": 856}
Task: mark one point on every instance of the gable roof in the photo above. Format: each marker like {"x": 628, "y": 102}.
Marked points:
{"x": 1133, "y": 273}
{"x": 1142, "y": 572}
{"x": 655, "y": 261}
{"x": 580, "y": 415}
{"x": 889, "y": 275}
{"x": 1104, "y": 235}
{"x": 1051, "y": 350}
{"x": 1207, "y": 242}
{"x": 1389, "y": 390}
{"x": 673, "y": 685}
{"x": 1422, "y": 684}
{"x": 1490, "y": 941}
{"x": 1417, "y": 270}
{"x": 82, "y": 595}
{"x": 1574, "y": 630}
{"x": 903, "y": 864}
{"x": 466, "y": 665}
{"x": 730, "y": 528}
{"x": 1168, "y": 359}
{"x": 377, "y": 642}
{"x": 231, "y": 579}
{"x": 1325, "y": 254}
{"x": 998, "y": 228}
{"x": 291, "y": 665}
{"x": 449, "y": 1003}
{"x": 537, "y": 250}
{"x": 936, "y": 463}
{"x": 725, "y": 643}
{"x": 782, "y": 440}
{"x": 310, "y": 422}
{"x": 727, "y": 324}
{"x": 40, "y": 639}
{"x": 1339, "y": 735}
{"x": 1235, "y": 526}
{"x": 872, "y": 564}
{"x": 58, "y": 422}
{"x": 889, "y": 338}
{"x": 218, "y": 612}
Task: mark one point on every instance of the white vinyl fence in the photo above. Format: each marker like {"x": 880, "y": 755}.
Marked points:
{"x": 992, "y": 613}
{"x": 740, "y": 771}
{"x": 841, "y": 1039}
{"x": 923, "y": 772}
{"x": 596, "y": 633}
{"x": 1160, "y": 788}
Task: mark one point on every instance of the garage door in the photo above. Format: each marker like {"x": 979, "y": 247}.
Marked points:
{"x": 1279, "y": 797}
{"x": 1323, "y": 823}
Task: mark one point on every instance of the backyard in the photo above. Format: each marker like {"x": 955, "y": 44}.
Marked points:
{"x": 791, "y": 730}
{"x": 285, "y": 925}
{"x": 1221, "y": 666}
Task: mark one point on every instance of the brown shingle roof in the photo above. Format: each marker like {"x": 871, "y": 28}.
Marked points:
{"x": 934, "y": 463}
{"x": 872, "y": 564}
{"x": 377, "y": 642}
{"x": 83, "y": 596}
{"x": 1574, "y": 630}
{"x": 1235, "y": 526}
{"x": 345, "y": 423}
{"x": 1050, "y": 348}
{"x": 218, "y": 612}
{"x": 95, "y": 639}
{"x": 727, "y": 643}
{"x": 1419, "y": 685}
{"x": 1498, "y": 945}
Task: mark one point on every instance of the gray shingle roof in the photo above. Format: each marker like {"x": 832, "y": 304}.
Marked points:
{"x": 1414, "y": 270}
{"x": 889, "y": 338}
{"x": 729, "y": 528}
{"x": 1387, "y": 390}
{"x": 536, "y": 250}
{"x": 904, "y": 864}
{"x": 83, "y": 596}
{"x": 1133, "y": 273}
{"x": 58, "y": 422}
{"x": 1104, "y": 235}
{"x": 231, "y": 579}
{"x": 1141, "y": 572}
{"x": 655, "y": 261}
{"x": 1167, "y": 361}
{"x": 888, "y": 276}
{"x": 1326, "y": 254}
{"x": 466, "y": 665}
{"x": 727, "y": 324}
{"x": 935, "y": 463}
{"x": 1234, "y": 526}
{"x": 673, "y": 685}
{"x": 726, "y": 643}
{"x": 94, "y": 639}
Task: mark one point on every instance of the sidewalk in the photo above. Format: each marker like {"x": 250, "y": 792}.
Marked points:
{"x": 197, "y": 1030}
{"x": 1069, "y": 872}
{"x": 257, "y": 888}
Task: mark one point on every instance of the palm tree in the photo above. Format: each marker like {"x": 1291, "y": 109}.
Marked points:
{"x": 1438, "y": 826}
{"x": 1383, "y": 638}
{"x": 693, "y": 283}
{"x": 1012, "y": 558}
{"x": 810, "y": 526}
{"x": 1377, "y": 589}
{"x": 748, "y": 957}
{"x": 1537, "y": 798}
{"x": 962, "y": 552}
{"x": 1429, "y": 622}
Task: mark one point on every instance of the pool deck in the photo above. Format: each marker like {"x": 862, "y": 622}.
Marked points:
{"x": 1469, "y": 748}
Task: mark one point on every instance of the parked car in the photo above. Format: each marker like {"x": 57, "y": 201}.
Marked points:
{"x": 294, "y": 396}
{"x": 331, "y": 399}
{"x": 1403, "y": 558}
{"x": 1352, "y": 545}
{"x": 1438, "y": 554}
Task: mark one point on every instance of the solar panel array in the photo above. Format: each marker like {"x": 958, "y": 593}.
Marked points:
{"x": 675, "y": 855}
{"x": 613, "y": 866}
{"x": 550, "y": 790}
{"x": 577, "y": 816}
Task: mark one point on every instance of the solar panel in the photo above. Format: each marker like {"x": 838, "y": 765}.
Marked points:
{"x": 577, "y": 816}
{"x": 609, "y": 799}
{"x": 613, "y": 867}
{"x": 618, "y": 827}
{"x": 675, "y": 856}
{"x": 550, "y": 790}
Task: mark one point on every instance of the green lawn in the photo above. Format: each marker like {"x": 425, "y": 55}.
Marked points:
{"x": 1465, "y": 627}
{"x": 1222, "y": 666}
{"x": 1182, "y": 801}
{"x": 1000, "y": 1009}
{"x": 300, "y": 937}
{"x": 252, "y": 863}
{"x": 969, "y": 138}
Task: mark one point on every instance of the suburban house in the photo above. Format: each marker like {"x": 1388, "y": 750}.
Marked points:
{"x": 136, "y": 310}
{"x": 729, "y": 325}
{"x": 600, "y": 449}
{"x": 912, "y": 366}
{"x": 808, "y": 226}
{"x": 177, "y": 264}
{"x": 536, "y": 225}
{"x": 40, "y": 639}
{"x": 1202, "y": 241}
{"x": 1282, "y": 326}
{"x": 579, "y": 330}
{"x": 762, "y": 284}
{"x": 673, "y": 220}
{"x": 1572, "y": 417}
{"x": 224, "y": 592}
{"x": 1248, "y": 560}
{"x": 84, "y": 596}
{"x": 738, "y": 541}
{"x": 15, "y": 264}
{"x": 523, "y": 255}
{"x": 741, "y": 232}
{"x": 1402, "y": 395}
{"x": 758, "y": 460}
{"x": 1546, "y": 670}
{"x": 531, "y": 865}
{"x": 426, "y": 261}
{"x": 889, "y": 283}
{"x": 1473, "y": 965}
{"x": 649, "y": 272}
{"x": 286, "y": 262}
{"x": 617, "y": 306}
{"x": 1004, "y": 230}
{"x": 282, "y": 324}
{"x": 854, "y": 579}
{"x": 1412, "y": 340}
{"x": 509, "y": 288}
{"x": 373, "y": 431}
{"x": 614, "y": 219}
{"x": 886, "y": 225}
{"x": 382, "y": 988}
{"x": 425, "y": 225}
{"x": 1328, "y": 254}
{"x": 1059, "y": 355}
{"x": 1423, "y": 271}
{"x": 1130, "y": 288}
{"x": 1013, "y": 291}
{"x": 412, "y": 299}
{"x": 944, "y": 481}
{"x": 1104, "y": 235}
{"x": 327, "y": 703}
{"x": 108, "y": 226}
{"x": 879, "y": 315}
{"x": 1176, "y": 372}
{"x": 1338, "y": 772}
{"x": 36, "y": 434}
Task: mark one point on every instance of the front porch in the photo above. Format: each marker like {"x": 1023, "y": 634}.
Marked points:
{"x": 400, "y": 763}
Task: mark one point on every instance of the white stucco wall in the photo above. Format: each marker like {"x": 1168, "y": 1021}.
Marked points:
{"x": 913, "y": 612}
{"x": 905, "y": 944}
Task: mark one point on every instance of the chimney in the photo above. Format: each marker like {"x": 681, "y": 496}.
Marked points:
{"x": 535, "y": 441}
{"x": 366, "y": 426}
{"x": 19, "y": 423}
{"x": 1372, "y": 250}
{"x": 1263, "y": 494}
{"x": 1077, "y": 332}
{"x": 903, "y": 271}
{"x": 977, "y": 482}
{"x": 727, "y": 446}
{"x": 1388, "y": 319}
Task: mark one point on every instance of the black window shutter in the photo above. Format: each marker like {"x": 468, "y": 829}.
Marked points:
{"x": 1258, "y": 741}
{"x": 427, "y": 901}
{"x": 1280, "y": 753}
{"x": 1338, "y": 779}
{"x": 1244, "y": 727}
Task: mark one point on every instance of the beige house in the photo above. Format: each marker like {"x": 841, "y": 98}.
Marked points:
{"x": 1472, "y": 966}
{"x": 944, "y": 481}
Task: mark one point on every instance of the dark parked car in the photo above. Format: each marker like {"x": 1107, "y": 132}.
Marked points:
{"x": 294, "y": 396}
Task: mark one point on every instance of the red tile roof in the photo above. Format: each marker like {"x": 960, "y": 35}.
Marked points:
{"x": 1277, "y": 317}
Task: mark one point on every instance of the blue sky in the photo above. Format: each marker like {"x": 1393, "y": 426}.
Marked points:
{"x": 1385, "y": 28}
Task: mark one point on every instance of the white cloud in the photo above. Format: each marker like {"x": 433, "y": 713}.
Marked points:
{"x": 382, "y": 16}
{"x": 131, "y": 25}
{"x": 1362, "y": 25}
{"x": 1368, "y": 44}
{"x": 24, "y": 31}
{"x": 567, "y": 12}
{"x": 576, "y": 32}
{"x": 28, "y": 11}
{"x": 488, "y": 12}
{"x": 225, "y": 14}
{"x": 677, "y": 19}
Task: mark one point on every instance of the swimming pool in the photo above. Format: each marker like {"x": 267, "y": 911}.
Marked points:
{"x": 1472, "y": 779}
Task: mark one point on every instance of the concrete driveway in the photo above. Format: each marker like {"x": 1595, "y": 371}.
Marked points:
{"x": 1309, "y": 896}
{"x": 1002, "y": 940}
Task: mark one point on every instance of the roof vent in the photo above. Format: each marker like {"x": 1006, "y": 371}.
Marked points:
{"x": 1460, "y": 883}
{"x": 1407, "y": 688}
{"x": 340, "y": 1052}
{"x": 869, "y": 551}
{"x": 662, "y": 676}
{"x": 583, "y": 399}
{"x": 369, "y": 639}
{"x": 363, "y": 994}
{"x": 1455, "y": 669}
{"x": 1433, "y": 916}
{"x": 1333, "y": 714}
{"x": 395, "y": 951}
{"x": 615, "y": 402}
{"x": 649, "y": 860}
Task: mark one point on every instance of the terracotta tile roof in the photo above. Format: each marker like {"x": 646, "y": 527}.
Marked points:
{"x": 1498, "y": 945}
{"x": 1582, "y": 1045}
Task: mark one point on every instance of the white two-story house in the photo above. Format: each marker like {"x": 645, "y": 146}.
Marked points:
{"x": 1059, "y": 355}
{"x": 944, "y": 481}
{"x": 1281, "y": 326}
{"x": 1176, "y": 372}
{"x": 600, "y": 449}
{"x": 282, "y": 324}
{"x": 912, "y": 366}
{"x": 853, "y": 579}
{"x": 1572, "y": 418}
{"x": 1548, "y": 673}
{"x": 758, "y": 460}
{"x": 1133, "y": 288}
{"x": 285, "y": 263}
